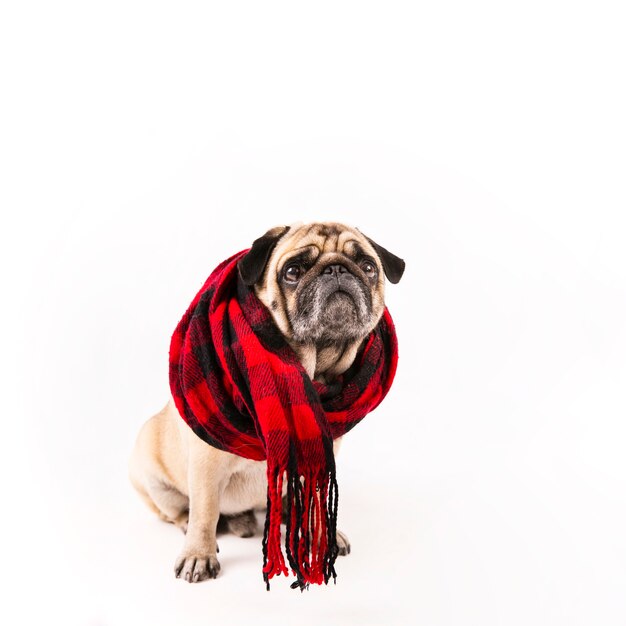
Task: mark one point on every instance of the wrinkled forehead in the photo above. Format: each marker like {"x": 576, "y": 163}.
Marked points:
{"x": 312, "y": 240}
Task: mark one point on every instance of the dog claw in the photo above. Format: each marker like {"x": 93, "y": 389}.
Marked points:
{"x": 195, "y": 569}
{"x": 343, "y": 545}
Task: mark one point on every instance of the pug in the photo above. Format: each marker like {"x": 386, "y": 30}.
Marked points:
{"x": 323, "y": 284}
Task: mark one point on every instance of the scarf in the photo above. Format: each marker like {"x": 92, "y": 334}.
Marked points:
{"x": 241, "y": 388}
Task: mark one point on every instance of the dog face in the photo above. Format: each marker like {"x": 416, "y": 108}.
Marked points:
{"x": 323, "y": 282}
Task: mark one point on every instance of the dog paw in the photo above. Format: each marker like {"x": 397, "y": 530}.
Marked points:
{"x": 195, "y": 568}
{"x": 343, "y": 544}
{"x": 242, "y": 525}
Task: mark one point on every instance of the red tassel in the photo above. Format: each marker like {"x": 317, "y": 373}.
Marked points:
{"x": 274, "y": 563}
{"x": 310, "y": 543}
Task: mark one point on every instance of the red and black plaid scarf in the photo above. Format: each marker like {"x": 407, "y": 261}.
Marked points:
{"x": 241, "y": 388}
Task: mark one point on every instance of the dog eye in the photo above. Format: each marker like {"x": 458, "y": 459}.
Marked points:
{"x": 292, "y": 273}
{"x": 368, "y": 267}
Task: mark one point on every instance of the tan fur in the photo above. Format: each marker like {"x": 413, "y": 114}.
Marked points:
{"x": 189, "y": 483}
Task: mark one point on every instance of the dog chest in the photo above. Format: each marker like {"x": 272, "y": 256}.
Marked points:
{"x": 246, "y": 487}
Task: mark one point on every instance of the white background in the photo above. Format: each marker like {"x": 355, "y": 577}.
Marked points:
{"x": 484, "y": 142}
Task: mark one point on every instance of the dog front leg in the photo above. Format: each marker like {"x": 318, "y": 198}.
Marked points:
{"x": 198, "y": 560}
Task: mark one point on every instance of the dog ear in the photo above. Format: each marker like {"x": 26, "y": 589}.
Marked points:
{"x": 252, "y": 266}
{"x": 392, "y": 264}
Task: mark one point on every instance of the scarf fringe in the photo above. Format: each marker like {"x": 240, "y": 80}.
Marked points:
{"x": 311, "y": 525}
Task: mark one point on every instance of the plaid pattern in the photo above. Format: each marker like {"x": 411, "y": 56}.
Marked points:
{"x": 241, "y": 388}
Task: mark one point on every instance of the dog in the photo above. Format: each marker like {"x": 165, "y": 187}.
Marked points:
{"x": 323, "y": 284}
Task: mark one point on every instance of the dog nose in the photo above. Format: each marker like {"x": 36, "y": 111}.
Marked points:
{"x": 335, "y": 269}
